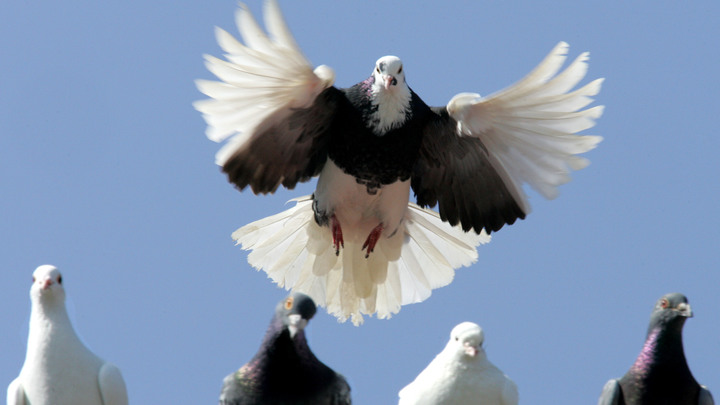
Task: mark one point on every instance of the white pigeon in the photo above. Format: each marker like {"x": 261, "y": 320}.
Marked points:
{"x": 461, "y": 375}
{"x": 58, "y": 368}
{"x": 356, "y": 246}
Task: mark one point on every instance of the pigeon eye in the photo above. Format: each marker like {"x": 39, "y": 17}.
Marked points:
{"x": 400, "y": 70}
{"x": 377, "y": 69}
{"x": 289, "y": 303}
{"x": 33, "y": 279}
{"x": 664, "y": 303}
{"x": 59, "y": 279}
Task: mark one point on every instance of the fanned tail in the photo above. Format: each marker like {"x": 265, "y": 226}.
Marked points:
{"x": 298, "y": 255}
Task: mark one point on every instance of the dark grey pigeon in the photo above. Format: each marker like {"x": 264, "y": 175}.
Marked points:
{"x": 660, "y": 375}
{"x": 354, "y": 245}
{"x": 285, "y": 371}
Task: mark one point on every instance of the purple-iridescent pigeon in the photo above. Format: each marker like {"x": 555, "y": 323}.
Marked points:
{"x": 285, "y": 370}
{"x": 660, "y": 374}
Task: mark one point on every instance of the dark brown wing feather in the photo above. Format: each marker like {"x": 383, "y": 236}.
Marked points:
{"x": 290, "y": 146}
{"x": 454, "y": 172}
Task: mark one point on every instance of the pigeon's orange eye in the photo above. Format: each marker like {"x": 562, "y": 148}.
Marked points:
{"x": 289, "y": 303}
{"x": 400, "y": 70}
{"x": 664, "y": 303}
{"x": 377, "y": 69}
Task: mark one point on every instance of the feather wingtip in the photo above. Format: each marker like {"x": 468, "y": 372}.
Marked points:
{"x": 561, "y": 48}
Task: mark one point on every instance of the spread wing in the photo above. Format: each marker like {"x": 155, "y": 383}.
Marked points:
{"x": 276, "y": 108}
{"x": 456, "y": 172}
{"x": 478, "y": 152}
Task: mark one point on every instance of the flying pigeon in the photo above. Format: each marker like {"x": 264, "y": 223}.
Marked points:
{"x": 284, "y": 370}
{"x": 356, "y": 245}
{"x": 660, "y": 375}
{"x": 58, "y": 368}
{"x": 461, "y": 374}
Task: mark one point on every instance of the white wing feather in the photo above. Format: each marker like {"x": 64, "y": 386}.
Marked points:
{"x": 15, "y": 393}
{"x": 112, "y": 385}
{"x": 260, "y": 77}
{"x": 530, "y": 128}
{"x": 298, "y": 255}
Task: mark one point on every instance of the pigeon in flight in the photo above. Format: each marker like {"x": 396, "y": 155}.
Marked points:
{"x": 284, "y": 370}
{"x": 356, "y": 245}
{"x": 660, "y": 375}
{"x": 58, "y": 368}
{"x": 461, "y": 374}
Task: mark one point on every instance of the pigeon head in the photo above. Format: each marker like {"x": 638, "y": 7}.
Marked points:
{"x": 390, "y": 95}
{"x": 466, "y": 341}
{"x": 47, "y": 285}
{"x": 670, "y": 311}
{"x": 388, "y": 73}
{"x": 295, "y": 311}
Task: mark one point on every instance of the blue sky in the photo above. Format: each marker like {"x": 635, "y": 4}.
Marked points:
{"x": 107, "y": 174}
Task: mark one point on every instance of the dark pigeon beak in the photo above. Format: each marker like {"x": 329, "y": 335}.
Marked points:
{"x": 684, "y": 310}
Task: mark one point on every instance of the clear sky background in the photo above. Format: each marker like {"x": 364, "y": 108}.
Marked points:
{"x": 105, "y": 172}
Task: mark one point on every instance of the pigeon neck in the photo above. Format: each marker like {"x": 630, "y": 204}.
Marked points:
{"x": 391, "y": 108}
{"x": 50, "y": 325}
{"x": 286, "y": 365}
{"x": 49, "y": 312}
{"x": 285, "y": 348}
{"x": 663, "y": 347}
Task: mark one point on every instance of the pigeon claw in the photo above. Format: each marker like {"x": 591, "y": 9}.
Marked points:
{"x": 372, "y": 239}
{"x": 337, "y": 235}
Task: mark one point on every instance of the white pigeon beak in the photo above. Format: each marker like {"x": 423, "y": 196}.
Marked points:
{"x": 297, "y": 323}
{"x": 389, "y": 81}
{"x": 471, "y": 350}
{"x": 685, "y": 310}
{"x": 46, "y": 283}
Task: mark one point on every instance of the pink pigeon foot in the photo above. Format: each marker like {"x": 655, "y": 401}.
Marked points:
{"x": 336, "y": 234}
{"x": 372, "y": 240}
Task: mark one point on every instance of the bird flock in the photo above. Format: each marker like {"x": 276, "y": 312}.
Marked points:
{"x": 357, "y": 246}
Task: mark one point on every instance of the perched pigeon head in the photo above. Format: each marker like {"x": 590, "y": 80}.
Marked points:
{"x": 466, "y": 341}
{"x": 47, "y": 286}
{"x": 389, "y": 73}
{"x": 670, "y": 311}
{"x": 295, "y": 311}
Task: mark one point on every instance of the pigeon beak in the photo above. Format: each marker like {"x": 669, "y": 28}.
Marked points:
{"x": 389, "y": 81}
{"x": 46, "y": 283}
{"x": 297, "y": 323}
{"x": 685, "y": 310}
{"x": 471, "y": 350}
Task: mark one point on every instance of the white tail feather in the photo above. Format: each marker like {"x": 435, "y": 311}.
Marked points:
{"x": 297, "y": 254}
